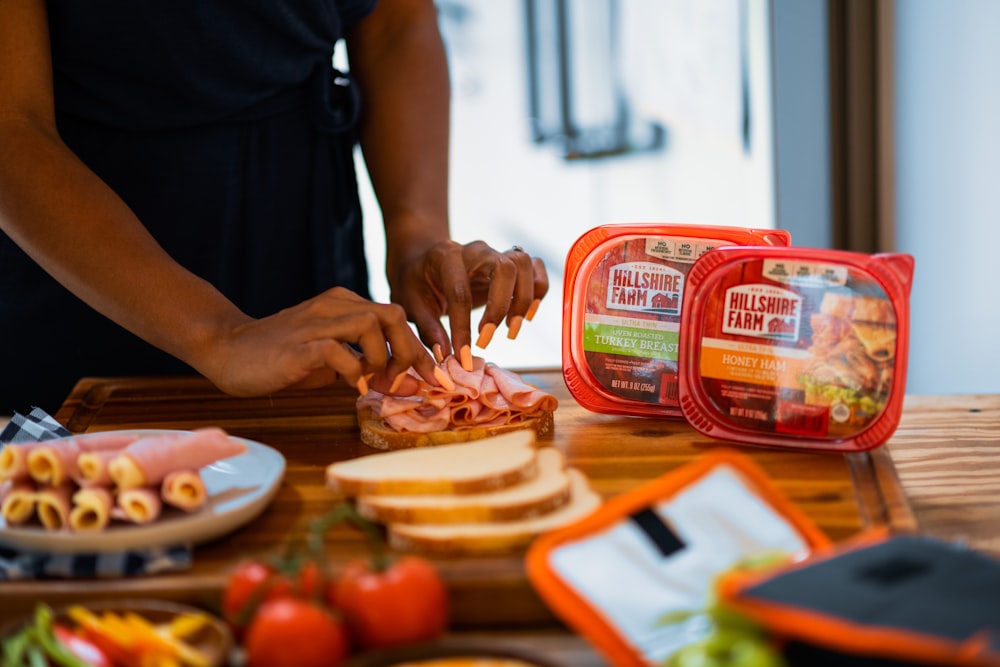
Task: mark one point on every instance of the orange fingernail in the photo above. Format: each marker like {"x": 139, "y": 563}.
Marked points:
{"x": 438, "y": 357}
{"x": 362, "y": 385}
{"x": 532, "y": 309}
{"x": 465, "y": 356}
{"x": 514, "y": 326}
{"x": 398, "y": 380}
{"x": 486, "y": 335}
{"x": 443, "y": 378}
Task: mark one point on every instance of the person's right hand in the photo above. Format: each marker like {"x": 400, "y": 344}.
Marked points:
{"x": 452, "y": 279}
{"x": 337, "y": 334}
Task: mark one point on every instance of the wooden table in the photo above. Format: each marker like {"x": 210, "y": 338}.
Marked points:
{"x": 947, "y": 454}
{"x": 842, "y": 494}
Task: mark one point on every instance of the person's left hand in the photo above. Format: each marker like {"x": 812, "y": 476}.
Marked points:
{"x": 452, "y": 279}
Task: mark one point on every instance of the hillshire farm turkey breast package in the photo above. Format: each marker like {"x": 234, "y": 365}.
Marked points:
{"x": 624, "y": 285}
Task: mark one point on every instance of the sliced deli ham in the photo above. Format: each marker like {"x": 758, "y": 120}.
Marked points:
{"x": 141, "y": 505}
{"x": 417, "y": 422}
{"x": 17, "y": 501}
{"x": 93, "y": 468}
{"x": 53, "y": 505}
{"x": 148, "y": 461}
{"x": 54, "y": 463}
{"x": 96, "y": 452}
{"x": 393, "y": 405}
{"x": 91, "y": 509}
{"x": 466, "y": 382}
{"x": 521, "y": 395}
{"x": 152, "y": 471}
{"x": 185, "y": 490}
{"x": 14, "y": 460}
{"x": 485, "y": 396}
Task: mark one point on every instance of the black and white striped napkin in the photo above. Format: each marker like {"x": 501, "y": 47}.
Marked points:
{"x": 22, "y": 564}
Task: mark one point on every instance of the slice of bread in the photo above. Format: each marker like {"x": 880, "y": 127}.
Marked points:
{"x": 375, "y": 433}
{"x": 549, "y": 490}
{"x": 498, "y": 538}
{"x": 483, "y": 465}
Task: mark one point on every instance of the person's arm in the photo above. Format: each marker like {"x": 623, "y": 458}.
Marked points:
{"x": 399, "y": 59}
{"x": 84, "y": 235}
{"x": 70, "y": 222}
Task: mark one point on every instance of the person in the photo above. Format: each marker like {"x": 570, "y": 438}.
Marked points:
{"x": 178, "y": 194}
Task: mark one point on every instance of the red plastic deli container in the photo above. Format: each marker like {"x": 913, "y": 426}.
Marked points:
{"x": 624, "y": 285}
{"x": 796, "y": 347}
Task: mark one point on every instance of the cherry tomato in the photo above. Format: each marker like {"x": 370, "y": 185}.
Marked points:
{"x": 308, "y": 583}
{"x": 404, "y": 604}
{"x": 81, "y": 647}
{"x": 246, "y": 586}
{"x": 292, "y": 632}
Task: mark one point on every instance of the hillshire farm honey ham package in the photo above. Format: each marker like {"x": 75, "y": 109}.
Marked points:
{"x": 624, "y": 285}
{"x": 796, "y": 347}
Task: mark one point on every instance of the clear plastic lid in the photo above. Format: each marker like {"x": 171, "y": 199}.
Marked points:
{"x": 796, "y": 347}
{"x": 624, "y": 286}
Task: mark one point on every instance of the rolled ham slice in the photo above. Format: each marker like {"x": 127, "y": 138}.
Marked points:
{"x": 104, "y": 442}
{"x": 14, "y": 461}
{"x": 53, "y": 505}
{"x": 93, "y": 467}
{"x": 141, "y": 505}
{"x": 91, "y": 509}
{"x": 96, "y": 451}
{"x": 17, "y": 501}
{"x": 148, "y": 461}
{"x": 54, "y": 463}
{"x": 185, "y": 490}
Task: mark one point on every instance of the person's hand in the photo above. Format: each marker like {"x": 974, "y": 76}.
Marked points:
{"x": 336, "y": 334}
{"x": 452, "y": 279}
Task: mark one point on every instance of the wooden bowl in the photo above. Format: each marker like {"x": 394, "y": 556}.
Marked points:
{"x": 214, "y": 640}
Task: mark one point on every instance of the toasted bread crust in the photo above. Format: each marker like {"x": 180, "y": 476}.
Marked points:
{"x": 375, "y": 434}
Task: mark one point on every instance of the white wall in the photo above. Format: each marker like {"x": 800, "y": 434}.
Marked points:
{"x": 948, "y": 189}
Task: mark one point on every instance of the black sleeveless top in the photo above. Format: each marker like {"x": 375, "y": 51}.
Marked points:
{"x": 226, "y": 129}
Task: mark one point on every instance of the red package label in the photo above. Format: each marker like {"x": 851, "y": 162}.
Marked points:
{"x": 798, "y": 347}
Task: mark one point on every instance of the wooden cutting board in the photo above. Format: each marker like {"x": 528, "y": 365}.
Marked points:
{"x": 842, "y": 494}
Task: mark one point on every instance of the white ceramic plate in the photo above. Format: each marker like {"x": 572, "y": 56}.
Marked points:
{"x": 239, "y": 489}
